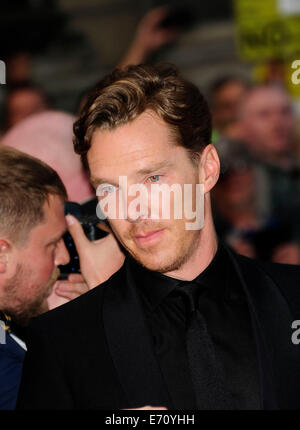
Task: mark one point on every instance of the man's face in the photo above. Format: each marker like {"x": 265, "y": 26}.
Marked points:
{"x": 268, "y": 121}
{"x": 225, "y": 104}
{"x": 135, "y": 150}
{"x": 32, "y": 267}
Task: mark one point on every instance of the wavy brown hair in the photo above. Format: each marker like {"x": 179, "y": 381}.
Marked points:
{"x": 126, "y": 93}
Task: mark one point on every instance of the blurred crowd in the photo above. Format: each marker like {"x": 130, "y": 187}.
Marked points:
{"x": 256, "y": 200}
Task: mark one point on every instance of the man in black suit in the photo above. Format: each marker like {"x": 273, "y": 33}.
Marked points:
{"x": 185, "y": 323}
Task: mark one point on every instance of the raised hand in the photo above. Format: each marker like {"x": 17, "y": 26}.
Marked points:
{"x": 99, "y": 259}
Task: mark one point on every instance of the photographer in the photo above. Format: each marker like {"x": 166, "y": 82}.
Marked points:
{"x": 32, "y": 200}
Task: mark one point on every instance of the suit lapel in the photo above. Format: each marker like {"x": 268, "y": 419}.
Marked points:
{"x": 131, "y": 345}
{"x": 271, "y": 316}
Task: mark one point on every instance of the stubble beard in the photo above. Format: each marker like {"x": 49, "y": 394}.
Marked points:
{"x": 176, "y": 262}
{"x": 20, "y": 311}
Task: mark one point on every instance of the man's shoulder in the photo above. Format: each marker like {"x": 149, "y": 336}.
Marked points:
{"x": 78, "y": 311}
{"x": 286, "y": 277}
{"x": 279, "y": 271}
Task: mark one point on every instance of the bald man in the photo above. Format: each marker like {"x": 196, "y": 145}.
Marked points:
{"x": 48, "y": 136}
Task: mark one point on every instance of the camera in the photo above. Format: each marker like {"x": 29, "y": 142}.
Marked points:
{"x": 88, "y": 219}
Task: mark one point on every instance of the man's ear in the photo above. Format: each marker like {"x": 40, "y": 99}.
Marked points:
{"x": 4, "y": 252}
{"x": 209, "y": 167}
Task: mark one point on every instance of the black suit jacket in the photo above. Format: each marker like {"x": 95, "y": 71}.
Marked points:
{"x": 96, "y": 351}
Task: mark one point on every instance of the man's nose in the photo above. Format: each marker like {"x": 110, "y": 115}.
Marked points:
{"x": 137, "y": 207}
{"x": 62, "y": 256}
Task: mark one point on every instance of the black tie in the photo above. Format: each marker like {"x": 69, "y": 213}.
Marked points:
{"x": 206, "y": 372}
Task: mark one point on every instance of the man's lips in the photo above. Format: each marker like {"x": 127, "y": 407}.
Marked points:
{"x": 148, "y": 233}
{"x": 148, "y": 236}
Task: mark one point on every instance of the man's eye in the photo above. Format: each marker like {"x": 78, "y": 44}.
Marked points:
{"x": 154, "y": 178}
{"x": 108, "y": 189}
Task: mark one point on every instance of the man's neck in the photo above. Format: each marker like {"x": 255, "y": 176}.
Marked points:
{"x": 201, "y": 258}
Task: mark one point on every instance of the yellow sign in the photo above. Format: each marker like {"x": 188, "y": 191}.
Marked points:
{"x": 268, "y": 29}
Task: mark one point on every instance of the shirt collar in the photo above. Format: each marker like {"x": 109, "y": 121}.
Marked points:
{"x": 155, "y": 287}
